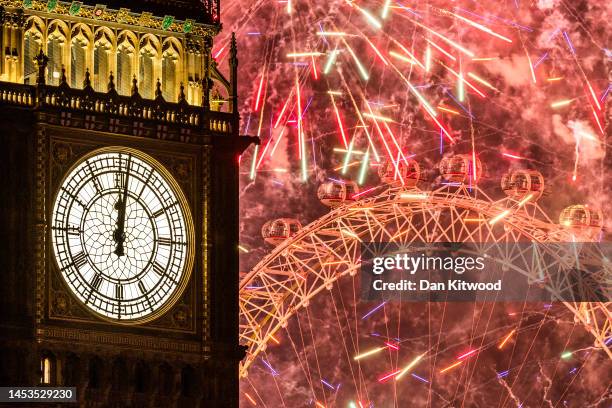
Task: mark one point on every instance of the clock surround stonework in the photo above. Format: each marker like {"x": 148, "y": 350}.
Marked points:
{"x": 68, "y": 148}
{"x": 122, "y": 235}
{"x": 189, "y": 355}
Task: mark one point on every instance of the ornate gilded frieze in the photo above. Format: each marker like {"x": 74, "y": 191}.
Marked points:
{"x": 102, "y": 13}
{"x": 70, "y": 335}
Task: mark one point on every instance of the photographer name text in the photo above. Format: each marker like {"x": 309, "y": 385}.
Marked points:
{"x": 423, "y": 284}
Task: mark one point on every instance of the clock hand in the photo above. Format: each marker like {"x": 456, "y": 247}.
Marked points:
{"x": 119, "y": 234}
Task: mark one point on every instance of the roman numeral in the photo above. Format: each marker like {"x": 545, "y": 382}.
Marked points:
{"x": 142, "y": 288}
{"x": 94, "y": 179}
{"x": 145, "y": 184}
{"x": 119, "y": 180}
{"x": 164, "y": 209}
{"x": 73, "y": 231}
{"x": 118, "y": 291}
{"x": 79, "y": 260}
{"x": 96, "y": 281}
{"x": 161, "y": 271}
{"x": 97, "y": 184}
{"x": 168, "y": 242}
{"x": 164, "y": 241}
{"x": 75, "y": 198}
{"x": 121, "y": 177}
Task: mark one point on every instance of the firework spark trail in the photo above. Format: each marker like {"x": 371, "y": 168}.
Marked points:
{"x": 361, "y": 120}
{"x": 364, "y": 74}
{"x": 339, "y": 119}
{"x": 505, "y": 340}
{"x": 341, "y": 42}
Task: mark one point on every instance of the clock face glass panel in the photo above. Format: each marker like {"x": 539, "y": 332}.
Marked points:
{"x": 122, "y": 234}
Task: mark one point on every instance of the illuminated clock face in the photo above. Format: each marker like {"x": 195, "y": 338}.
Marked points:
{"x": 122, "y": 235}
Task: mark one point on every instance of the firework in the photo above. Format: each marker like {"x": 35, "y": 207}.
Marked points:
{"x": 505, "y": 340}
{"x": 411, "y": 365}
{"x": 386, "y": 80}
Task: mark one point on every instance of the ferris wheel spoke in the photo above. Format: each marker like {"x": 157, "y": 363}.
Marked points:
{"x": 329, "y": 249}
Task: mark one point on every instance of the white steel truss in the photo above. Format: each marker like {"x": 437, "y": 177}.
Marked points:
{"x": 329, "y": 248}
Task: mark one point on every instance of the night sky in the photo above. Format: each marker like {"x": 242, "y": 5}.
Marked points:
{"x": 542, "y": 67}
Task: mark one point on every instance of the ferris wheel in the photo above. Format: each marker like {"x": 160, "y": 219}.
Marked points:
{"x": 310, "y": 260}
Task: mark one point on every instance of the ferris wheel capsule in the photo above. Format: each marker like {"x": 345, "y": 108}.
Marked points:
{"x": 335, "y": 193}
{"x": 519, "y": 184}
{"x": 276, "y": 231}
{"x": 582, "y": 220}
{"x": 461, "y": 168}
{"x": 407, "y": 172}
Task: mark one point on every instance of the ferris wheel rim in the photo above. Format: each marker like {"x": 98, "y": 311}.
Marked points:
{"x": 443, "y": 196}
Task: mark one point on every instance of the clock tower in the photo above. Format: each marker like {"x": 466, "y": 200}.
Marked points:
{"x": 119, "y": 162}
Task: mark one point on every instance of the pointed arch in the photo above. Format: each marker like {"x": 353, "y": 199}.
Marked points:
{"x": 174, "y": 43}
{"x": 95, "y": 372}
{"x": 71, "y": 370}
{"x": 166, "y": 379}
{"x": 172, "y": 63}
{"x": 188, "y": 381}
{"x": 148, "y": 58}
{"x": 48, "y": 364}
{"x": 142, "y": 377}
{"x": 81, "y": 41}
{"x": 57, "y": 35}
{"x": 33, "y": 37}
{"x": 34, "y": 23}
{"x": 105, "y": 46}
{"x": 220, "y": 91}
{"x": 127, "y": 45}
{"x": 119, "y": 372}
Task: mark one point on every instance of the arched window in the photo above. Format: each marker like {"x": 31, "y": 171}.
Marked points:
{"x": 46, "y": 369}
{"x": 219, "y": 93}
{"x": 101, "y": 66}
{"x": 32, "y": 41}
{"x": 78, "y": 56}
{"x": 124, "y": 70}
{"x": 149, "y": 53}
{"x": 95, "y": 373}
{"x": 171, "y": 62}
{"x": 166, "y": 379}
{"x": 146, "y": 73}
{"x": 119, "y": 370}
{"x": 125, "y": 63}
{"x": 56, "y": 40}
{"x": 188, "y": 381}
{"x": 103, "y": 48}
{"x": 169, "y": 77}
{"x": 141, "y": 377}
{"x": 71, "y": 370}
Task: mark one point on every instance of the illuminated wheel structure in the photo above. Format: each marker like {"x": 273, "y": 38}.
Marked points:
{"x": 310, "y": 262}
